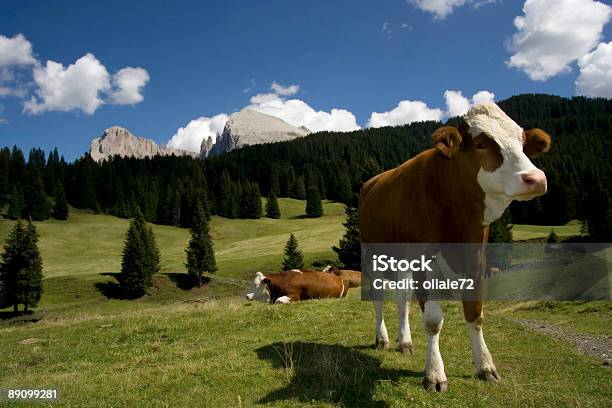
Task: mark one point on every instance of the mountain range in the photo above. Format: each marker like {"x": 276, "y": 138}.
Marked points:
{"x": 244, "y": 128}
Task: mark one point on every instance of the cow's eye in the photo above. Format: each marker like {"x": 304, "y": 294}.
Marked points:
{"x": 481, "y": 146}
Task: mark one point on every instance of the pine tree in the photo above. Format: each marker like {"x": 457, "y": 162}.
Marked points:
{"x": 314, "y": 208}
{"x": 552, "y": 237}
{"x": 274, "y": 182}
{"x": 5, "y": 157}
{"x": 36, "y": 204}
{"x": 349, "y": 248}
{"x": 254, "y": 206}
{"x": 200, "y": 253}
{"x": 140, "y": 258}
{"x": 21, "y": 268}
{"x": 272, "y": 209}
{"x": 500, "y": 234}
{"x": 293, "y": 256}
{"x": 300, "y": 189}
{"x": 15, "y": 204}
{"x": 60, "y": 209}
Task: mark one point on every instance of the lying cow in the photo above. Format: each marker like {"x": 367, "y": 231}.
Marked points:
{"x": 295, "y": 285}
{"x": 450, "y": 194}
{"x": 352, "y": 277}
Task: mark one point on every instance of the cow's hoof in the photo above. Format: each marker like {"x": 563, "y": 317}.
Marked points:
{"x": 490, "y": 375}
{"x": 433, "y": 386}
{"x": 382, "y": 344}
{"x": 405, "y": 348}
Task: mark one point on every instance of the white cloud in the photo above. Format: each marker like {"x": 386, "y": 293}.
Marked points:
{"x": 552, "y": 34}
{"x": 415, "y": 111}
{"x": 595, "y": 77}
{"x": 128, "y": 84}
{"x": 83, "y": 85}
{"x": 284, "y": 90}
{"x": 15, "y": 51}
{"x": 457, "y": 104}
{"x": 483, "y": 97}
{"x": 385, "y": 28}
{"x": 405, "y": 112}
{"x": 191, "y": 136}
{"x": 252, "y": 85}
{"x": 77, "y": 86}
{"x": 298, "y": 113}
{"x": 439, "y": 8}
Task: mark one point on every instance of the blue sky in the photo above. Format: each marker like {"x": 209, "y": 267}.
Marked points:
{"x": 208, "y": 58}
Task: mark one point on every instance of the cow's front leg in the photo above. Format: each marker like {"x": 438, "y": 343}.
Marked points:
{"x": 433, "y": 319}
{"x": 382, "y": 338}
{"x": 404, "y": 337}
{"x": 485, "y": 369}
{"x": 283, "y": 300}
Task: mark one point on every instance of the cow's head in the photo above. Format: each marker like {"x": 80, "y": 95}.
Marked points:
{"x": 259, "y": 290}
{"x": 500, "y": 151}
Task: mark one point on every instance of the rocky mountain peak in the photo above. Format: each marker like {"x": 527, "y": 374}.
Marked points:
{"x": 249, "y": 127}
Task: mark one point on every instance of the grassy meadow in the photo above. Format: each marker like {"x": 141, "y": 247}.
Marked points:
{"x": 208, "y": 347}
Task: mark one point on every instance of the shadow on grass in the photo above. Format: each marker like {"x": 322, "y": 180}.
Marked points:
{"x": 184, "y": 280}
{"x": 110, "y": 289}
{"x": 328, "y": 373}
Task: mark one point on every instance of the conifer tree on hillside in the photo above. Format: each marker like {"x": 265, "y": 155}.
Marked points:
{"x": 274, "y": 182}
{"x": 293, "y": 256}
{"x": 272, "y": 209}
{"x": 200, "y": 253}
{"x": 15, "y": 204}
{"x": 349, "y": 248}
{"x": 140, "y": 258}
{"x": 500, "y": 234}
{"x": 36, "y": 204}
{"x": 21, "y": 268}
{"x": 299, "y": 189}
{"x": 5, "y": 157}
{"x": 60, "y": 209}
{"x": 314, "y": 208}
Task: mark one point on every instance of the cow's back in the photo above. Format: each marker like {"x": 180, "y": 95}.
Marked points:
{"x": 428, "y": 198}
{"x": 306, "y": 284}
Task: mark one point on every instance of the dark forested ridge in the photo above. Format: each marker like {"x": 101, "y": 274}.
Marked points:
{"x": 166, "y": 189}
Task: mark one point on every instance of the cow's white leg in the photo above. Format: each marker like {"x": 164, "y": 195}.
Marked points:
{"x": 283, "y": 300}
{"x": 435, "y": 378}
{"x": 404, "y": 337}
{"x": 480, "y": 352}
{"x": 382, "y": 338}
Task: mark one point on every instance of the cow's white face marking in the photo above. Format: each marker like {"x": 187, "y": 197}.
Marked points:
{"x": 505, "y": 183}
{"x": 259, "y": 290}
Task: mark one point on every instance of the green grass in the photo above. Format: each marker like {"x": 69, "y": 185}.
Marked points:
{"x": 522, "y": 232}
{"x": 209, "y": 347}
{"x": 232, "y": 353}
{"x": 88, "y": 244}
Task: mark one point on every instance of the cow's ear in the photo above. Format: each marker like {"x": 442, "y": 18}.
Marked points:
{"x": 447, "y": 140}
{"x": 537, "y": 142}
{"x": 266, "y": 280}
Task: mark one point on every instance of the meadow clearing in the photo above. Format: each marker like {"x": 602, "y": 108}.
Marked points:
{"x": 209, "y": 347}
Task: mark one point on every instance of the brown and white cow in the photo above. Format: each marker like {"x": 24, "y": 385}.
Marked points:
{"x": 295, "y": 285}
{"x": 450, "y": 194}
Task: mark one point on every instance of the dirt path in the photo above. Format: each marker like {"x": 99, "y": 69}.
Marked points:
{"x": 599, "y": 347}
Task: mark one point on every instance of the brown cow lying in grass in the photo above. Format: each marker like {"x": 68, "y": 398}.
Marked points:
{"x": 295, "y": 285}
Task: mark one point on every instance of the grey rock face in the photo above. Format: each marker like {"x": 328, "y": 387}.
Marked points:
{"x": 118, "y": 141}
{"x": 249, "y": 127}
